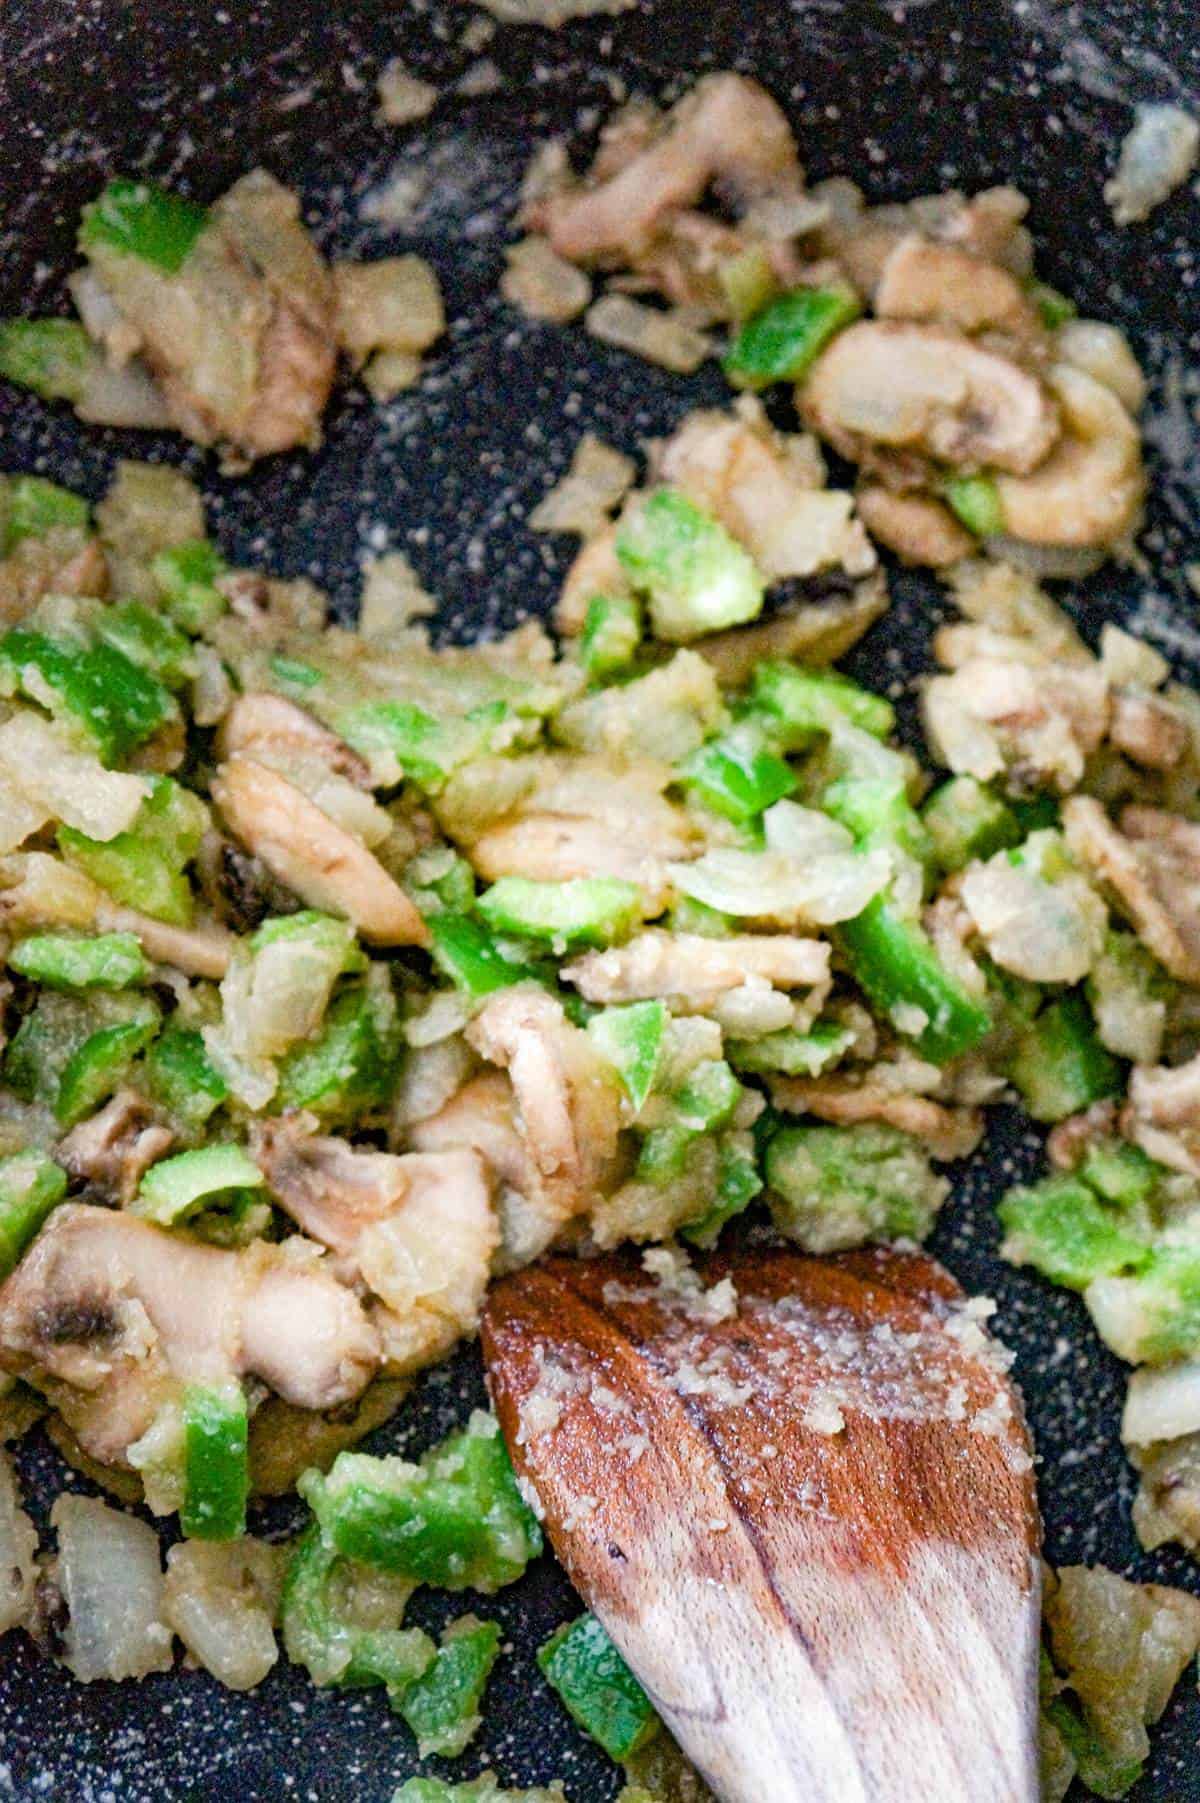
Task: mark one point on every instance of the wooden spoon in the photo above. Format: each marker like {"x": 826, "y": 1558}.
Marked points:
{"x": 798, "y": 1494}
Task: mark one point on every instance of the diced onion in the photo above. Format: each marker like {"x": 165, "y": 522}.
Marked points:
{"x": 1157, "y": 155}
{"x": 221, "y": 1600}
{"x": 542, "y": 284}
{"x": 37, "y": 758}
{"x": 1162, "y": 1404}
{"x": 112, "y": 1583}
{"x": 661, "y": 338}
{"x": 18, "y": 1546}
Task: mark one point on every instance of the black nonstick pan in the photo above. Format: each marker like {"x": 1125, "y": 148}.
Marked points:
{"x": 907, "y": 98}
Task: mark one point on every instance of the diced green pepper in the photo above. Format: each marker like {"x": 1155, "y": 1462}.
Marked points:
{"x": 597, "y": 1687}
{"x": 696, "y": 577}
{"x": 116, "y": 702}
{"x": 30, "y": 1186}
{"x": 349, "y": 1069}
{"x": 478, "y": 1790}
{"x": 292, "y": 672}
{"x": 99, "y": 1068}
{"x": 612, "y": 632}
{"x": 428, "y": 750}
{"x": 893, "y": 961}
{"x": 792, "y": 1053}
{"x": 149, "y": 640}
{"x": 466, "y": 953}
{"x": 704, "y": 1104}
{"x": 216, "y": 1467}
{"x": 966, "y": 821}
{"x": 782, "y": 342}
{"x": 688, "y": 915}
{"x": 799, "y": 705}
{"x": 62, "y": 961}
{"x": 975, "y": 501}
{"x": 738, "y": 1183}
{"x": 456, "y": 1520}
{"x": 1062, "y": 1229}
{"x": 631, "y": 1040}
{"x": 174, "y": 1187}
{"x": 35, "y": 507}
{"x": 737, "y": 775}
{"x": 146, "y": 222}
{"x": 186, "y": 576}
{"x": 1055, "y": 307}
{"x": 835, "y": 1187}
{"x": 334, "y": 1620}
{"x": 1121, "y": 1174}
{"x": 1059, "y": 1066}
{"x": 182, "y": 1078}
{"x": 53, "y": 357}
{"x": 326, "y": 932}
{"x": 878, "y": 813}
{"x": 576, "y": 911}
{"x": 143, "y": 867}
{"x": 442, "y": 1705}
{"x": 440, "y": 881}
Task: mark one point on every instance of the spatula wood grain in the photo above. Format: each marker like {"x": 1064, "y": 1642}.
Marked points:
{"x": 798, "y": 1494}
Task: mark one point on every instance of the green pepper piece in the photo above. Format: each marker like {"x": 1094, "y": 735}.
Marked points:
{"x": 738, "y": 1183}
{"x": 1055, "y": 307}
{"x": 705, "y": 1103}
{"x": 1037, "y": 813}
{"x": 330, "y": 1616}
{"x": 1121, "y": 1174}
{"x": 54, "y": 1031}
{"x": 576, "y": 911}
{"x": 456, "y": 1520}
{"x": 687, "y": 915}
{"x": 174, "y": 1187}
{"x": 99, "y": 1068}
{"x": 792, "y": 1053}
{"x": 799, "y": 705}
{"x": 53, "y": 357}
{"x": 149, "y": 640}
{"x": 427, "y": 749}
{"x": 35, "y": 507}
{"x": 965, "y": 821}
{"x": 440, "y": 881}
{"x": 290, "y": 670}
{"x": 216, "y": 1466}
{"x": 442, "y": 1705}
{"x": 1060, "y": 1066}
{"x": 975, "y": 501}
{"x": 144, "y": 221}
{"x": 1098, "y": 1770}
{"x": 143, "y": 867}
{"x": 349, "y": 1069}
{"x": 597, "y": 1687}
{"x": 182, "y": 1078}
{"x": 612, "y": 632}
{"x": 737, "y": 775}
{"x": 782, "y": 342}
{"x": 1062, "y": 1229}
{"x": 631, "y": 1040}
{"x": 118, "y": 704}
{"x": 466, "y": 953}
{"x": 62, "y": 961}
{"x": 478, "y": 1790}
{"x": 834, "y": 1187}
{"x": 878, "y": 812}
{"x": 696, "y": 577}
{"x": 30, "y": 1186}
{"x": 186, "y": 576}
{"x": 893, "y": 961}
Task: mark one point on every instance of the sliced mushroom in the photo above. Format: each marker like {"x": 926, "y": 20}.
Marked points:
{"x": 111, "y": 1151}
{"x": 946, "y": 284}
{"x": 693, "y": 973}
{"x": 106, "y": 1314}
{"x": 768, "y": 491}
{"x": 319, "y": 860}
{"x": 1148, "y": 729}
{"x": 727, "y": 130}
{"x": 198, "y": 951}
{"x": 946, "y": 1133}
{"x": 1037, "y": 722}
{"x": 927, "y": 388}
{"x": 1162, "y": 1114}
{"x": 262, "y": 719}
{"x": 327, "y": 1187}
{"x": 1152, "y": 868}
{"x": 917, "y": 528}
{"x": 1089, "y": 491}
{"x": 1102, "y": 351}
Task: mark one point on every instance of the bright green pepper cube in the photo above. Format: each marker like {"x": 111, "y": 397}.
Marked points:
{"x": 975, "y": 501}
{"x": 966, "y": 821}
{"x": 429, "y": 750}
{"x": 792, "y": 1053}
{"x": 56, "y": 1028}
{"x": 350, "y": 1068}
{"x": 834, "y": 1187}
{"x": 687, "y": 915}
{"x": 30, "y": 1186}
{"x": 704, "y": 1104}
{"x": 781, "y": 343}
{"x": 1055, "y": 307}
{"x": 35, "y": 507}
{"x": 99, "y": 1067}
{"x": 327, "y": 932}
{"x": 216, "y": 1466}
{"x": 186, "y": 576}
{"x": 62, "y": 961}
{"x": 148, "y": 639}
{"x": 696, "y": 577}
{"x": 799, "y": 704}
{"x": 1066, "y": 1232}
{"x": 118, "y": 704}
{"x": 739, "y": 1181}
{"x": 174, "y": 1187}
{"x": 737, "y": 775}
{"x": 144, "y": 221}
{"x": 1121, "y": 1174}
{"x": 631, "y": 1040}
{"x": 894, "y": 962}
{"x": 575, "y": 911}
{"x": 182, "y": 1078}
{"x": 466, "y": 953}
{"x": 597, "y": 1687}
{"x": 456, "y": 1520}
{"x": 612, "y": 632}
{"x": 442, "y": 1705}
{"x": 143, "y": 867}
{"x": 335, "y": 1622}
{"x": 1059, "y": 1066}
{"x": 53, "y": 357}
{"x": 878, "y": 812}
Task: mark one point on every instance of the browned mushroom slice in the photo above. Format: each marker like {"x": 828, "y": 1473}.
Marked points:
{"x": 944, "y": 284}
{"x": 1089, "y": 491}
{"x": 1152, "y": 867}
{"x": 917, "y": 528}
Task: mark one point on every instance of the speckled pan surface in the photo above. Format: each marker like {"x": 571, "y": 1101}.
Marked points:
{"x": 907, "y": 99}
